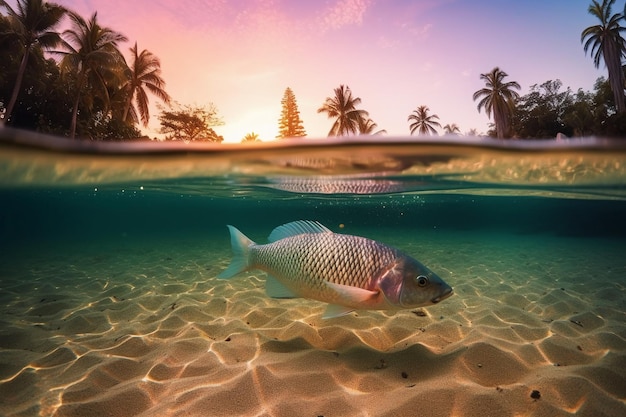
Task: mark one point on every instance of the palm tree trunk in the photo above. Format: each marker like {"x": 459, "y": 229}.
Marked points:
{"x": 502, "y": 120}
{"x": 498, "y": 119}
{"x": 127, "y": 107}
{"x": 18, "y": 84}
{"x": 74, "y": 117}
{"x": 79, "y": 87}
{"x": 616, "y": 76}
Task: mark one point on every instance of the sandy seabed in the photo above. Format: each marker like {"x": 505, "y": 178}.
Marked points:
{"x": 537, "y": 327}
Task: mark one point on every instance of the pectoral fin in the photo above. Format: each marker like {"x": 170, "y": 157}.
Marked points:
{"x": 353, "y": 295}
{"x": 275, "y": 289}
{"x": 347, "y": 295}
{"x": 334, "y": 310}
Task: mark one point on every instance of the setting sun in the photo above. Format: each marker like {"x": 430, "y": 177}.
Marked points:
{"x": 262, "y": 121}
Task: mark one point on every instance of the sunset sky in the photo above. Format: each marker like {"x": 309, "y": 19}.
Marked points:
{"x": 395, "y": 55}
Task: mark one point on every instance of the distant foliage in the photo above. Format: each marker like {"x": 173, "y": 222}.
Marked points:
{"x": 548, "y": 110}
{"x": 541, "y": 112}
{"x": 451, "y": 129}
{"x": 290, "y": 124}
{"x": 368, "y": 127}
{"x": 110, "y": 129}
{"x": 87, "y": 91}
{"x": 190, "y": 123}
{"x": 47, "y": 105}
{"x": 30, "y": 26}
{"x": 473, "y": 132}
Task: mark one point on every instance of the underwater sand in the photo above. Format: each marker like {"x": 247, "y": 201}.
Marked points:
{"x": 143, "y": 328}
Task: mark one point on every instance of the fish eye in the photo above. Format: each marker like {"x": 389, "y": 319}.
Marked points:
{"x": 421, "y": 280}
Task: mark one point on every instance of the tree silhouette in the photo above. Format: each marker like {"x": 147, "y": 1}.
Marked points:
{"x": 368, "y": 127}
{"x": 144, "y": 73}
{"x": 32, "y": 23}
{"x": 91, "y": 58}
{"x": 290, "y": 125}
{"x": 498, "y": 99}
{"x": 342, "y": 107}
{"x": 189, "y": 123}
{"x": 451, "y": 129}
{"x": 423, "y": 122}
{"x": 606, "y": 42}
{"x": 250, "y": 137}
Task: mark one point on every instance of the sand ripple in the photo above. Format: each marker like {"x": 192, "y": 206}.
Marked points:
{"x": 116, "y": 339}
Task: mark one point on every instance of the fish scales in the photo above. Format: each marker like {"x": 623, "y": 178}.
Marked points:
{"x": 314, "y": 258}
{"x": 306, "y": 259}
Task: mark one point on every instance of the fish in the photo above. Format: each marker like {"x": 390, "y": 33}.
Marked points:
{"x": 305, "y": 259}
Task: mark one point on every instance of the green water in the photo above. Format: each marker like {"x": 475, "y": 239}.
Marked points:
{"x": 80, "y": 214}
{"x": 53, "y": 188}
{"x": 57, "y": 194}
{"x": 536, "y": 229}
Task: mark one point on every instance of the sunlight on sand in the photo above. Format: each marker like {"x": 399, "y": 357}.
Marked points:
{"x": 149, "y": 330}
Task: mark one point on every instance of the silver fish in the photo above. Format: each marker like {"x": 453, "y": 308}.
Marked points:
{"x": 305, "y": 259}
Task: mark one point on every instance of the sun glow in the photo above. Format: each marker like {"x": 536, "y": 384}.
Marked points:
{"x": 263, "y": 122}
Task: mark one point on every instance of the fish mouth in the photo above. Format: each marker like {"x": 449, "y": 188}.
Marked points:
{"x": 447, "y": 293}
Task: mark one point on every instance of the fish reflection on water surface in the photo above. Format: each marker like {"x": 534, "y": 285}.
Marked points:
{"x": 341, "y": 185}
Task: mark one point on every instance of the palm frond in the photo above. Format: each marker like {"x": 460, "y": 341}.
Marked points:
{"x": 144, "y": 75}
{"x": 605, "y": 42}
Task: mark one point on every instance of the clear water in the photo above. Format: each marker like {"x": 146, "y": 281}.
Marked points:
{"x": 110, "y": 305}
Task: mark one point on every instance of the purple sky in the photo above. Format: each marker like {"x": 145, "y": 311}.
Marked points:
{"x": 395, "y": 55}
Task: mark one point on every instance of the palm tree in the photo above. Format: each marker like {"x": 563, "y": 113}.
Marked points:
{"x": 144, "y": 74}
{"x": 368, "y": 127}
{"x": 606, "y": 42}
{"x": 498, "y": 99}
{"x": 423, "y": 122}
{"x": 343, "y": 108}
{"x": 92, "y": 57}
{"x": 451, "y": 129}
{"x": 250, "y": 137}
{"x": 32, "y": 23}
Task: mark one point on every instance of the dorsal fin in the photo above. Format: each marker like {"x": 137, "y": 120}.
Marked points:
{"x": 297, "y": 228}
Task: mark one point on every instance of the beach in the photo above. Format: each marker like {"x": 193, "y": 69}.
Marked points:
{"x": 536, "y": 327}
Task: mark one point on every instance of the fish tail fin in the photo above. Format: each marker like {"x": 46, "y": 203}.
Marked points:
{"x": 241, "y": 248}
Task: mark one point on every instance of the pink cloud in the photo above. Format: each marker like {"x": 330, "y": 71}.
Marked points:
{"x": 344, "y": 13}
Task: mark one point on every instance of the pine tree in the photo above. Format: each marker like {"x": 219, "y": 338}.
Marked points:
{"x": 290, "y": 125}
